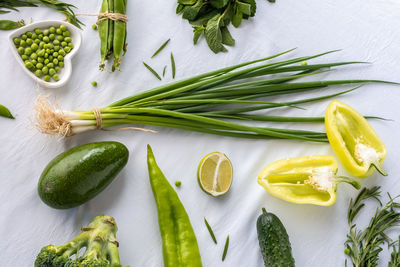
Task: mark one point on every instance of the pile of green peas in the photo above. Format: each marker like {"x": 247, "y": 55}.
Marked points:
{"x": 43, "y": 50}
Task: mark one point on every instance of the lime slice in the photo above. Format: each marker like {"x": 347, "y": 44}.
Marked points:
{"x": 215, "y": 174}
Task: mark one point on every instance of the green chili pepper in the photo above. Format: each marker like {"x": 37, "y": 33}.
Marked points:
{"x": 110, "y": 28}
{"x": 103, "y": 33}
{"x": 119, "y": 34}
{"x": 7, "y": 25}
{"x": 4, "y": 112}
{"x": 180, "y": 247}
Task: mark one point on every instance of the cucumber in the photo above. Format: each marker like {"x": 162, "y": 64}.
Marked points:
{"x": 80, "y": 173}
{"x": 274, "y": 241}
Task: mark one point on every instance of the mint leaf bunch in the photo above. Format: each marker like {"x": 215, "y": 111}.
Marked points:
{"x": 212, "y": 17}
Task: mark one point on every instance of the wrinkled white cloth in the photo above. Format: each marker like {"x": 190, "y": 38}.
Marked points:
{"x": 365, "y": 30}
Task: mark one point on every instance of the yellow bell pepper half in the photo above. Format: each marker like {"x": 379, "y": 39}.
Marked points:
{"x": 353, "y": 140}
{"x": 304, "y": 180}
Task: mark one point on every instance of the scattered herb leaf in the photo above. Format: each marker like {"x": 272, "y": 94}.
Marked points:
{"x": 164, "y": 70}
{"x": 5, "y": 112}
{"x": 210, "y": 231}
{"x": 363, "y": 246}
{"x": 173, "y": 66}
{"x": 152, "y": 70}
{"x": 225, "y": 248}
{"x": 161, "y": 48}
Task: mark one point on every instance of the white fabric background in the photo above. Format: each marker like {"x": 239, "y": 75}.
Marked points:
{"x": 366, "y": 30}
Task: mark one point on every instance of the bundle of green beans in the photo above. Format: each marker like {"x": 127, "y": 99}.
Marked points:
{"x": 7, "y": 5}
{"x": 200, "y": 103}
{"x": 112, "y": 33}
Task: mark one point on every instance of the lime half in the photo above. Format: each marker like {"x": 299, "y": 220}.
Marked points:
{"x": 215, "y": 174}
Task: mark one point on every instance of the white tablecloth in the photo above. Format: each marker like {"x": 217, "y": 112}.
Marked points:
{"x": 366, "y": 30}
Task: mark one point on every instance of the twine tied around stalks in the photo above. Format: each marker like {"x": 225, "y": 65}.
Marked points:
{"x": 107, "y": 15}
{"x": 99, "y": 124}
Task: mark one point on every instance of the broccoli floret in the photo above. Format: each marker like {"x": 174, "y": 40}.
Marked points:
{"x": 99, "y": 240}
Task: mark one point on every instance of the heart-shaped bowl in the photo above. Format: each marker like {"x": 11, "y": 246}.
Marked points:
{"x": 65, "y": 72}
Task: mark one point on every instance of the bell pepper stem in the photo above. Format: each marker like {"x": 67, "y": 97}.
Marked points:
{"x": 379, "y": 168}
{"x": 343, "y": 179}
{"x": 264, "y": 210}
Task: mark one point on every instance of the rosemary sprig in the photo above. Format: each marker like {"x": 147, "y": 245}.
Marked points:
{"x": 173, "y": 66}
{"x": 210, "y": 230}
{"x": 363, "y": 246}
{"x": 161, "y": 48}
{"x": 225, "y": 248}
{"x": 395, "y": 255}
{"x": 152, "y": 70}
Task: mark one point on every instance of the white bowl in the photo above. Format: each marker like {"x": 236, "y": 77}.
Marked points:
{"x": 65, "y": 72}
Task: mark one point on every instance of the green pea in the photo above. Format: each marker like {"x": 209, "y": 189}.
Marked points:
{"x": 48, "y": 46}
{"x": 60, "y": 58}
{"x": 94, "y": 84}
{"x": 22, "y": 43}
{"x": 52, "y": 30}
{"x": 52, "y": 71}
{"x": 39, "y": 66}
{"x": 94, "y": 27}
{"x": 24, "y": 37}
{"x": 56, "y": 42}
{"x": 55, "y": 54}
{"x": 17, "y": 41}
{"x": 41, "y": 53}
{"x": 55, "y": 61}
{"x": 61, "y": 64}
{"x": 38, "y": 73}
{"x": 46, "y": 61}
{"x": 38, "y": 31}
{"x": 50, "y": 66}
{"x": 47, "y": 51}
{"x": 46, "y": 39}
{"x": 28, "y": 65}
{"x": 45, "y": 70}
{"x": 41, "y": 45}
{"x": 56, "y": 48}
{"x": 34, "y": 56}
{"x": 55, "y": 77}
{"x": 34, "y": 62}
{"x": 63, "y": 27}
{"x": 28, "y": 51}
{"x": 40, "y": 36}
{"x": 51, "y": 58}
{"x": 71, "y": 45}
{"x": 46, "y": 55}
{"x": 21, "y": 50}
{"x": 34, "y": 36}
{"x": 46, "y": 78}
{"x": 40, "y": 59}
{"x": 29, "y": 41}
{"x": 68, "y": 39}
{"x": 52, "y": 36}
{"x": 46, "y": 32}
{"x": 57, "y": 69}
{"x": 34, "y": 47}
{"x": 24, "y": 57}
{"x": 67, "y": 49}
{"x": 61, "y": 52}
{"x": 59, "y": 31}
{"x": 60, "y": 38}
{"x": 37, "y": 41}
{"x": 29, "y": 34}
{"x": 66, "y": 34}
{"x": 63, "y": 44}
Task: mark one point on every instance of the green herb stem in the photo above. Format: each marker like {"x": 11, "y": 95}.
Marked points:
{"x": 161, "y": 48}
{"x": 152, "y": 70}
{"x": 210, "y": 231}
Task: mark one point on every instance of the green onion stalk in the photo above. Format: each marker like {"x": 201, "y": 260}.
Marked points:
{"x": 219, "y": 102}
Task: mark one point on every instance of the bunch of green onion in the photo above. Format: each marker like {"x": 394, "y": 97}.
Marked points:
{"x": 203, "y": 103}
